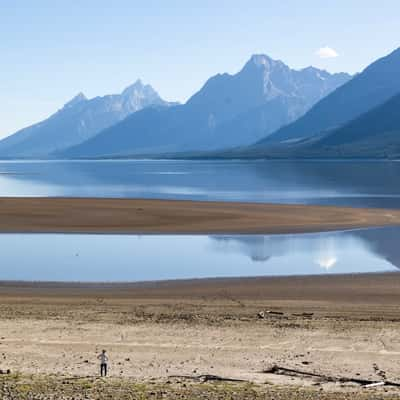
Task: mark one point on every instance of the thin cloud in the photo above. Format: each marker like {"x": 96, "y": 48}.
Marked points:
{"x": 327, "y": 52}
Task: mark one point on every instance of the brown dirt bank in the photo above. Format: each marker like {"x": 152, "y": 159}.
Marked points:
{"x": 371, "y": 296}
{"x": 94, "y": 215}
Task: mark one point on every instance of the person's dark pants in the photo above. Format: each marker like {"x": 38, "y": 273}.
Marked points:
{"x": 103, "y": 369}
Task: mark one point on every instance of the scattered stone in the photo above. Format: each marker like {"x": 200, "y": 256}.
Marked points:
{"x": 6, "y": 372}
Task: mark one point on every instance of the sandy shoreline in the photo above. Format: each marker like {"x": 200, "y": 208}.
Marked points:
{"x": 95, "y": 215}
{"x": 332, "y": 289}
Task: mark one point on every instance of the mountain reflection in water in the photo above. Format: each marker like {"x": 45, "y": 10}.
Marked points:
{"x": 325, "y": 249}
{"x": 349, "y": 183}
{"x": 57, "y": 257}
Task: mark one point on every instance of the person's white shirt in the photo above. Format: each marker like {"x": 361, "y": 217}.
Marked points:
{"x": 103, "y": 358}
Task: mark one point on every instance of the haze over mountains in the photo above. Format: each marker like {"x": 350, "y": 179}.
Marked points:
{"x": 361, "y": 119}
{"x": 265, "y": 110}
{"x": 376, "y": 84}
{"x": 79, "y": 120}
{"x": 230, "y": 110}
{"x": 375, "y": 133}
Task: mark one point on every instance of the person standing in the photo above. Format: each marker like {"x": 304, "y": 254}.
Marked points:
{"x": 103, "y": 363}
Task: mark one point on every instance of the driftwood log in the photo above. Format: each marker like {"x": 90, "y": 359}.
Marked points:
{"x": 275, "y": 369}
{"x": 207, "y": 378}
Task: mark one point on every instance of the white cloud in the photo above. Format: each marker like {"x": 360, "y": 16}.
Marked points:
{"x": 326, "y": 52}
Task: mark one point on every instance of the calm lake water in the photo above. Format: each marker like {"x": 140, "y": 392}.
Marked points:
{"x": 140, "y": 258}
{"x": 137, "y": 258}
{"x": 356, "y": 183}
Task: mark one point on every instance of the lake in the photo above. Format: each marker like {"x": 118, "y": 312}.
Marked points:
{"x": 138, "y": 258}
{"x": 355, "y": 183}
{"x": 156, "y": 257}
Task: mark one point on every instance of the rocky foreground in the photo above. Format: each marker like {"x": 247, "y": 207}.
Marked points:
{"x": 18, "y": 387}
{"x": 324, "y": 337}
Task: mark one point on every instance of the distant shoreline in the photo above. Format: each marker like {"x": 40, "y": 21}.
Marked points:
{"x": 202, "y": 157}
{"x": 168, "y": 288}
{"x": 141, "y": 216}
{"x": 335, "y": 287}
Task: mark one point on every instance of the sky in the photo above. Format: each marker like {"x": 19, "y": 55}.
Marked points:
{"x": 52, "y": 50}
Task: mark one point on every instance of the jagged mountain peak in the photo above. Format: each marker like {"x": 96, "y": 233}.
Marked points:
{"x": 137, "y": 88}
{"x": 313, "y": 70}
{"x": 75, "y": 100}
{"x": 138, "y": 84}
{"x": 376, "y": 84}
{"x": 229, "y": 110}
{"x": 260, "y": 59}
{"x": 263, "y": 62}
{"x": 79, "y": 120}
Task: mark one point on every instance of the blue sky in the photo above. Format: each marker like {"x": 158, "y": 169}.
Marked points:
{"x": 51, "y": 50}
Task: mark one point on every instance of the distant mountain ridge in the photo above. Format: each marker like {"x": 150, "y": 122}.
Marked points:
{"x": 375, "y": 134}
{"x": 229, "y": 110}
{"x": 380, "y": 120}
{"x": 79, "y": 120}
{"x": 375, "y": 85}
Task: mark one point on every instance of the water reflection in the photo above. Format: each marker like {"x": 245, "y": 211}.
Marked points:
{"x": 383, "y": 242}
{"x": 357, "y": 183}
{"x": 326, "y": 250}
{"x": 138, "y": 258}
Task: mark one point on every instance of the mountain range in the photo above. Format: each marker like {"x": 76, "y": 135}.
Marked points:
{"x": 229, "y": 110}
{"x": 347, "y": 109}
{"x": 360, "y": 119}
{"x": 79, "y": 120}
{"x": 265, "y": 110}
